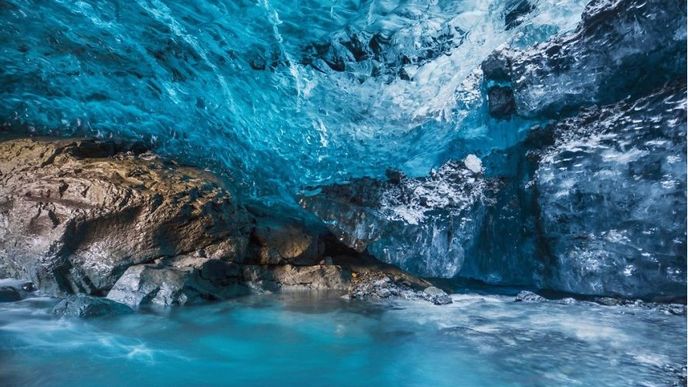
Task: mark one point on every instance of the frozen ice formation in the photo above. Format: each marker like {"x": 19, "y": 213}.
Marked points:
{"x": 424, "y": 225}
{"x": 620, "y": 48}
{"x": 473, "y": 163}
{"x": 590, "y": 204}
{"x": 612, "y": 195}
{"x": 519, "y": 142}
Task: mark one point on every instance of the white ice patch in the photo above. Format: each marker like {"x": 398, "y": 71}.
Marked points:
{"x": 473, "y": 163}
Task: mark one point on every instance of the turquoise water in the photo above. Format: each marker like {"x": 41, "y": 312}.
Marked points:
{"x": 302, "y": 339}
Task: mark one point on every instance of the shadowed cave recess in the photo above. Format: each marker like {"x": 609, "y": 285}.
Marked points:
{"x": 527, "y": 143}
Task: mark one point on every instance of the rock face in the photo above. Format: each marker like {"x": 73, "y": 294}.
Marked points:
{"x": 284, "y": 242}
{"x": 100, "y": 219}
{"x": 612, "y": 194}
{"x": 74, "y": 215}
{"x": 9, "y": 294}
{"x": 178, "y": 281}
{"x": 15, "y": 290}
{"x": 315, "y": 277}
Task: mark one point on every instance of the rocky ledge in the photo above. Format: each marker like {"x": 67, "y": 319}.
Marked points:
{"x": 102, "y": 219}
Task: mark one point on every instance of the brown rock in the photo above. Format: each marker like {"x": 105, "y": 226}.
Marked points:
{"x": 74, "y": 215}
{"x": 178, "y": 281}
{"x": 283, "y": 242}
{"x": 316, "y": 277}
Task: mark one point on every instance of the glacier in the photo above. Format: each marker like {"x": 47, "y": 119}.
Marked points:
{"x": 248, "y": 82}
{"x": 536, "y": 143}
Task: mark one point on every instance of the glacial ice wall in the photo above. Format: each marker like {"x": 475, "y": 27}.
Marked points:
{"x": 274, "y": 94}
{"x": 436, "y": 135}
{"x": 613, "y": 197}
{"x": 591, "y": 200}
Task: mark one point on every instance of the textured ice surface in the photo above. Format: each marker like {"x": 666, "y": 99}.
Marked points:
{"x": 621, "y": 48}
{"x": 387, "y": 106}
{"x": 244, "y": 88}
{"x": 425, "y": 225}
{"x": 602, "y": 210}
{"x": 612, "y": 193}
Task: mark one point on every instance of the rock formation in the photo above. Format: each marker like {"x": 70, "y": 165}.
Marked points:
{"x": 99, "y": 218}
{"x": 74, "y": 215}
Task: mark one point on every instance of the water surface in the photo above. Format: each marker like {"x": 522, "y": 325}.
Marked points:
{"x": 302, "y": 339}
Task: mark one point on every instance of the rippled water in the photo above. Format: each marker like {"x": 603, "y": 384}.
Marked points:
{"x": 304, "y": 339}
{"x": 244, "y": 82}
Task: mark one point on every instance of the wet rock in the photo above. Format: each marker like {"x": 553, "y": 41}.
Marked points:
{"x": 608, "y": 301}
{"x": 500, "y": 100}
{"x": 357, "y": 276}
{"x": 15, "y": 290}
{"x": 680, "y": 374}
{"x": 83, "y": 306}
{"x": 437, "y": 296}
{"x": 380, "y": 288}
{"x": 376, "y": 281}
{"x": 675, "y": 309}
{"x": 496, "y": 67}
{"x": 9, "y": 294}
{"x": 629, "y": 305}
{"x": 28, "y": 287}
{"x": 669, "y": 309}
{"x": 290, "y": 277}
{"x": 178, "y": 281}
{"x": 75, "y": 214}
{"x": 529, "y": 297}
{"x": 280, "y": 242}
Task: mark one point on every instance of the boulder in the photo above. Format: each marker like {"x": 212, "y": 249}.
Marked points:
{"x": 372, "y": 280}
{"x": 9, "y": 294}
{"x": 76, "y": 214}
{"x": 496, "y": 67}
{"x": 15, "y": 290}
{"x": 528, "y": 297}
{"x": 436, "y": 295}
{"x": 178, "y": 281}
{"x": 83, "y": 306}
{"x": 500, "y": 101}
